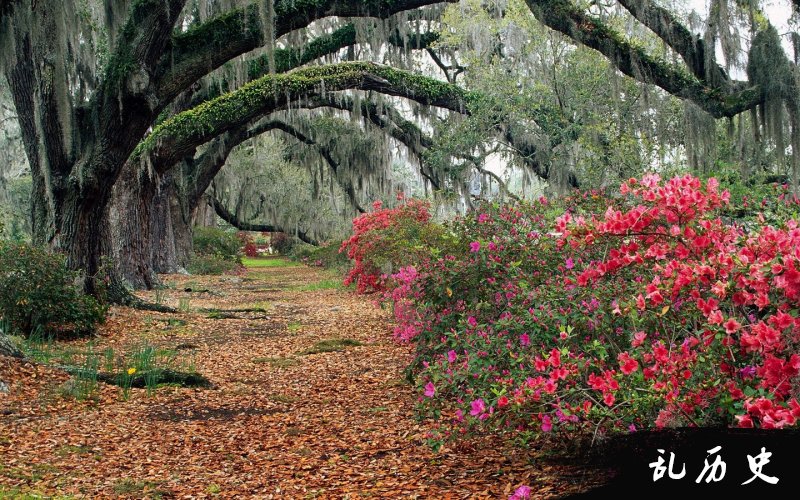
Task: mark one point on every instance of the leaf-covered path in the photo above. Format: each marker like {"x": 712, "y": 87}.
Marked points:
{"x": 283, "y": 421}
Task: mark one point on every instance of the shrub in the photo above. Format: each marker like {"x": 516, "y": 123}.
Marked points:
{"x": 282, "y": 243}
{"x": 38, "y": 292}
{"x": 326, "y": 255}
{"x": 595, "y": 315}
{"x": 387, "y": 238}
{"x": 212, "y": 241}
{"x": 211, "y": 264}
{"x": 249, "y": 247}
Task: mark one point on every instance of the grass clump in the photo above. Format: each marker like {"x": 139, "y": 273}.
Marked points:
{"x": 331, "y": 345}
{"x": 326, "y": 284}
{"x": 277, "y": 362}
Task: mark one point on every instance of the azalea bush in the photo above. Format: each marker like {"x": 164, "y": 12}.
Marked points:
{"x": 386, "y": 238}
{"x": 598, "y": 314}
{"x": 248, "y": 244}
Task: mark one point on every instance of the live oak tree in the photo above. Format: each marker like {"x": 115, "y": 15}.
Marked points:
{"x": 88, "y": 80}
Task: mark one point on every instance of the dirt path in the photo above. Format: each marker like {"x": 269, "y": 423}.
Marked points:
{"x": 281, "y": 423}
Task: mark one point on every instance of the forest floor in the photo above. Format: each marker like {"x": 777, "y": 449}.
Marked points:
{"x": 282, "y": 420}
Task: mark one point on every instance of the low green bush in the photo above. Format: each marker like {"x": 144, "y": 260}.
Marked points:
{"x": 216, "y": 251}
{"x": 217, "y": 242}
{"x": 38, "y": 292}
{"x": 211, "y": 264}
{"x": 327, "y": 256}
{"x": 282, "y": 243}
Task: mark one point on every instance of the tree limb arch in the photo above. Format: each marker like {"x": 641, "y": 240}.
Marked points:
{"x": 177, "y": 137}
{"x": 241, "y": 225}
{"x": 635, "y": 62}
{"x": 239, "y": 31}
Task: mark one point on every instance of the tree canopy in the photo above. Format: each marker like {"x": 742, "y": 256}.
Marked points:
{"x": 123, "y": 103}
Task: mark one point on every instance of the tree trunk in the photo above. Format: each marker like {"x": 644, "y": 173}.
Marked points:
{"x": 171, "y": 227}
{"x": 129, "y": 218}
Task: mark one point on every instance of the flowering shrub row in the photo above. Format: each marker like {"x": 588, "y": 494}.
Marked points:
{"x": 595, "y": 314}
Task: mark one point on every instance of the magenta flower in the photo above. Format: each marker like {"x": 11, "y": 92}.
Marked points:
{"x": 524, "y": 339}
{"x": 521, "y": 493}
{"x": 430, "y": 390}
{"x": 451, "y": 356}
{"x": 570, "y": 263}
{"x": 474, "y": 246}
{"x": 547, "y": 424}
{"x": 471, "y": 321}
{"x": 478, "y": 407}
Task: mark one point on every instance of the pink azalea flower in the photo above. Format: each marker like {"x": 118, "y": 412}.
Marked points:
{"x": 570, "y": 263}
{"x": 451, "y": 356}
{"x": 478, "y": 407}
{"x": 524, "y": 339}
{"x": 471, "y": 321}
{"x": 474, "y": 246}
{"x": 547, "y": 424}
{"x": 430, "y": 390}
{"x": 521, "y": 493}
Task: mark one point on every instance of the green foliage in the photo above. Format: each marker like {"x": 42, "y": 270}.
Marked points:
{"x": 210, "y": 264}
{"x": 141, "y": 366}
{"x": 327, "y": 256}
{"x": 38, "y": 292}
{"x": 218, "y": 242}
{"x": 216, "y": 251}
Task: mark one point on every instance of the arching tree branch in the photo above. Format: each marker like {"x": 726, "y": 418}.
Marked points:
{"x": 241, "y": 225}
{"x": 234, "y": 33}
{"x": 177, "y": 137}
{"x": 563, "y": 16}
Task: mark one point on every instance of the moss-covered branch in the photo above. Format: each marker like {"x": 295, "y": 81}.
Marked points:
{"x": 210, "y": 45}
{"x": 563, "y": 16}
{"x": 287, "y": 59}
{"x": 178, "y": 137}
{"x": 661, "y": 22}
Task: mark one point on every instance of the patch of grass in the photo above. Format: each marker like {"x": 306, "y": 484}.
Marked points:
{"x": 184, "y": 304}
{"x": 160, "y": 296}
{"x": 326, "y": 284}
{"x": 258, "y": 262}
{"x": 331, "y": 345}
{"x": 219, "y": 315}
{"x": 20, "y": 494}
{"x": 173, "y": 322}
{"x": 294, "y": 326}
{"x": 132, "y": 487}
{"x": 144, "y": 366}
{"x": 262, "y": 306}
{"x": 63, "y": 451}
{"x": 213, "y": 489}
{"x": 38, "y": 471}
{"x": 377, "y": 409}
{"x": 277, "y": 362}
{"x": 281, "y": 398}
